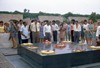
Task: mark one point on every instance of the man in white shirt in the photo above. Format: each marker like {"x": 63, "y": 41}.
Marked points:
{"x": 35, "y": 28}
{"x": 24, "y": 33}
{"x": 77, "y": 30}
{"x": 98, "y": 34}
{"x": 47, "y": 31}
{"x": 55, "y": 29}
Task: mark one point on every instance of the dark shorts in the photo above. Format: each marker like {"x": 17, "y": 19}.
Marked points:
{"x": 48, "y": 36}
{"x": 24, "y": 40}
{"x": 13, "y": 34}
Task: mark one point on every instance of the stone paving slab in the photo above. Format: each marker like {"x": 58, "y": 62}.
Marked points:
{"x": 18, "y": 62}
{"x": 4, "y": 63}
{"x": 8, "y": 51}
{"x": 4, "y": 40}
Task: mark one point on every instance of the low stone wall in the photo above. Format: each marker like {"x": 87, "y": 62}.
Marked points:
{"x": 7, "y": 17}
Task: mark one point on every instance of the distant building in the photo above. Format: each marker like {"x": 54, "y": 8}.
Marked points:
{"x": 51, "y": 18}
{"x": 79, "y": 19}
{"x": 7, "y": 17}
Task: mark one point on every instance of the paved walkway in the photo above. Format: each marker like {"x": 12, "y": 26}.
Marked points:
{"x": 8, "y": 51}
{"x": 18, "y": 62}
{"x": 4, "y": 63}
{"x": 10, "y": 59}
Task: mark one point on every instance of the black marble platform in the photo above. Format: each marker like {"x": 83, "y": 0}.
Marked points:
{"x": 62, "y": 58}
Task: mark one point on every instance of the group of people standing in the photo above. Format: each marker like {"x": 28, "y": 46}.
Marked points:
{"x": 16, "y": 30}
{"x": 37, "y": 32}
{"x": 84, "y": 31}
{"x": 74, "y": 31}
{"x": 41, "y": 31}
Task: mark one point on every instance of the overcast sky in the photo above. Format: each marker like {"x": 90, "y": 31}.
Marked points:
{"x": 52, "y": 6}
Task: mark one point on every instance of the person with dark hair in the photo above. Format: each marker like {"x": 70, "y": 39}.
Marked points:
{"x": 24, "y": 33}
{"x": 35, "y": 28}
{"x": 20, "y": 24}
{"x": 86, "y": 31}
{"x": 31, "y": 30}
{"x": 91, "y": 31}
{"x": 82, "y": 32}
{"x": 65, "y": 25}
{"x": 41, "y": 33}
{"x": 2, "y": 27}
{"x": 72, "y": 29}
{"x": 77, "y": 31}
{"x": 13, "y": 33}
{"x": 55, "y": 29}
{"x": 68, "y": 31}
{"x": 98, "y": 34}
{"x": 62, "y": 32}
{"x": 48, "y": 31}
{"x": 7, "y": 27}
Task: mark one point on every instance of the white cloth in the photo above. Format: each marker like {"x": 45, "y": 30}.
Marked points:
{"x": 25, "y": 31}
{"x": 35, "y": 27}
{"x": 98, "y": 31}
{"x": 19, "y": 26}
{"x": 77, "y": 29}
{"x": 47, "y": 29}
{"x": 85, "y": 26}
{"x": 55, "y": 27}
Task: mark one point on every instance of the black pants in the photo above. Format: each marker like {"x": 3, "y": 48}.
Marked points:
{"x": 76, "y": 36}
{"x": 72, "y": 36}
{"x": 98, "y": 43}
{"x": 19, "y": 37}
{"x": 55, "y": 36}
{"x": 24, "y": 40}
{"x": 31, "y": 37}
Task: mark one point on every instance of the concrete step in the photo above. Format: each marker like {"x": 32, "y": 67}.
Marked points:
{"x": 18, "y": 62}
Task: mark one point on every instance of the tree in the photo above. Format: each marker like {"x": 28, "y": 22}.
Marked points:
{"x": 25, "y": 10}
{"x": 93, "y": 16}
{"x": 68, "y": 14}
{"x": 97, "y": 16}
{"x": 28, "y": 11}
{"x": 16, "y": 12}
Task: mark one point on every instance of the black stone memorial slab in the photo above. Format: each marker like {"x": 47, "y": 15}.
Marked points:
{"x": 61, "y": 58}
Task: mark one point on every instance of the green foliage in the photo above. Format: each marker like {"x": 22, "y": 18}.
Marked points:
{"x": 30, "y": 15}
{"x": 93, "y": 16}
{"x": 6, "y": 12}
{"x": 35, "y": 15}
{"x": 97, "y": 16}
{"x": 17, "y": 12}
{"x": 74, "y": 15}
